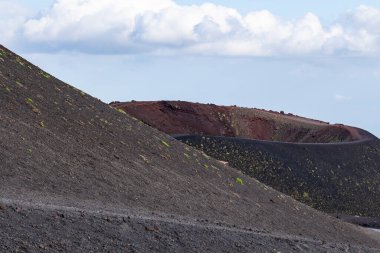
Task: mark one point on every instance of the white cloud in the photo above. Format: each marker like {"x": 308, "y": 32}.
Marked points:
{"x": 9, "y": 9}
{"x": 362, "y": 30}
{"x": 130, "y": 26}
{"x": 342, "y": 98}
{"x": 12, "y": 17}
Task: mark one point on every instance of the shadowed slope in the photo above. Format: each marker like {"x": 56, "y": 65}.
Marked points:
{"x": 60, "y": 146}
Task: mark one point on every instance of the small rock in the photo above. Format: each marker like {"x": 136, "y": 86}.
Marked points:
{"x": 42, "y": 246}
{"x": 152, "y": 229}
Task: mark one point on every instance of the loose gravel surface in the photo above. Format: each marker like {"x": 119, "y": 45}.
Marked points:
{"x": 340, "y": 178}
{"x": 333, "y": 168}
{"x": 31, "y": 227}
{"x": 69, "y": 162}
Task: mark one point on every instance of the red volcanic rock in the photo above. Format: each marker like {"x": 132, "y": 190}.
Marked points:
{"x": 183, "y": 118}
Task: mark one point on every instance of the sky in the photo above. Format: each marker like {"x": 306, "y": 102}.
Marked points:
{"x": 319, "y": 59}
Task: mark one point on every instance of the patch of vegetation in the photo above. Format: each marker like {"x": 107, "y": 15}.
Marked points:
{"x": 20, "y": 84}
{"x": 165, "y": 143}
{"x": 44, "y": 74}
{"x": 42, "y": 124}
{"x": 239, "y": 181}
{"x": 19, "y": 61}
{"x": 121, "y": 111}
{"x": 29, "y": 101}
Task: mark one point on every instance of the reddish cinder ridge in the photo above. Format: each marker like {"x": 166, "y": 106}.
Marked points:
{"x": 183, "y": 118}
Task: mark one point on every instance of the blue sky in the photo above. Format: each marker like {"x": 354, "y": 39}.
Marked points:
{"x": 318, "y": 59}
{"x": 325, "y": 9}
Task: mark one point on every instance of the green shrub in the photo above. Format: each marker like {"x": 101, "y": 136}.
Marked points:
{"x": 29, "y": 101}
{"x": 239, "y": 181}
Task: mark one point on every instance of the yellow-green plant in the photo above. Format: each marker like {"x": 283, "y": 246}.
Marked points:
{"x": 239, "y": 181}
{"x": 165, "y": 143}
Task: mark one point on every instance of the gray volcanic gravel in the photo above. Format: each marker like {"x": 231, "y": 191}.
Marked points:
{"x": 61, "y": 147}
{"x": 341, "y": 178}
{"x": 28, "y": 227}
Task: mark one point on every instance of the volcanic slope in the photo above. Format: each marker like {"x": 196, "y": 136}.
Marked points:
{"x": 77, "y": 175}
{"x": 340, "y": 175}
{"x": 178, "y": 117}
{"x": 340, "y": 179}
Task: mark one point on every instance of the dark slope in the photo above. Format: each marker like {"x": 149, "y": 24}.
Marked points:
{"x": 334, "y": 178}
{"x": 63, "y": 147}
{"x": 79, "y": 230}
{"x": 178, "y": 117}
{"x": 341, "y": 177}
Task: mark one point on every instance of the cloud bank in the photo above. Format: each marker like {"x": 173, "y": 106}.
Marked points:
{"x": 165, "y": 27}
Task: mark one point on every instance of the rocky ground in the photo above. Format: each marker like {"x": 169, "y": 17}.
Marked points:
{"x": 341, "y": 179}
{"x": 31, "y": 227}
{"x": 72, "y": 169}
{"x": 333, "y": 168}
